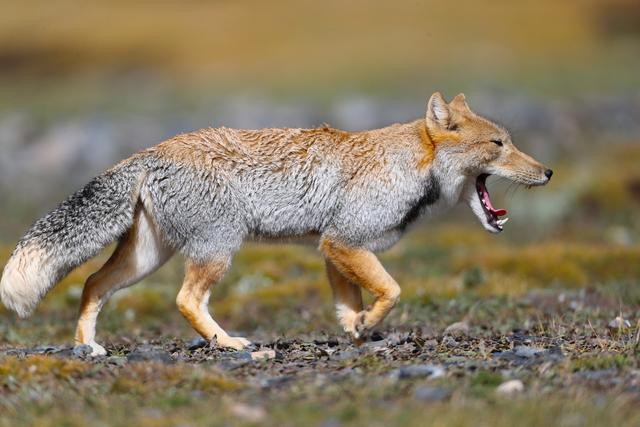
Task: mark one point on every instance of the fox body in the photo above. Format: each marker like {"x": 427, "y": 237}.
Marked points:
{"x": 204, "y": 193}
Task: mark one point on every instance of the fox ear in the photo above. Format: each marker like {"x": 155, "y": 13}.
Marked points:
{"x": 438, "y": 113}
{"x": 460, "y": 103}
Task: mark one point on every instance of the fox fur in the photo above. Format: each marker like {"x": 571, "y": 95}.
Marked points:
{"x": 204, "y": 193}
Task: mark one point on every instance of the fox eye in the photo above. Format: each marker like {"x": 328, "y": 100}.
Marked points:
{"x": 498, "y": 142}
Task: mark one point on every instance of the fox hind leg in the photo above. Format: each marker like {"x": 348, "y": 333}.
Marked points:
{"x": 140, "y": 252}
{"x": 194, "y": 295}
{"x": 347, "y": 298}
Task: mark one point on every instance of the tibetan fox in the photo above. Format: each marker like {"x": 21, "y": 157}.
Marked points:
{"x": 204, "y": 193}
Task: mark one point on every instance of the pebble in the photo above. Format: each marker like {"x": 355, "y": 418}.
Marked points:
{"x": 144, "y": 355}
{"x": 619, "y": 324}
{"x": 196, "y": 343}
{"x": 417, "y": 371}
{"x": 263, "y": 354}
{"x": 510, "y": 387}
{"x": 528, "y": 352}
{"x": 458, "y": 329}
{"x": 449, "y": 341}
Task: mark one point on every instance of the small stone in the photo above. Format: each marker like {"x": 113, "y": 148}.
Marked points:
{"x": 449, "y": 341}
{"x": 82, "y": 350}
{"x": 458, "y": 329}
{"x": 431, "y": 394}
{"x": 619, "y": 324}
{"x": 510, "y": 387}
{"x": 143, "y": 354}
{"x": 382, "y": 344}
{"x": 263, "y": 354}
{"x": 528, "y": 352}
{"x": 240, "y": 355}
{"x": 417, "y": 371}
{"x": 196, "y": 343}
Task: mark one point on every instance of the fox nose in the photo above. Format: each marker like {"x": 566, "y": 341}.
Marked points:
{"x": 548, "y": 173}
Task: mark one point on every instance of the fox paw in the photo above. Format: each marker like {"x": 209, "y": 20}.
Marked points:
{"x": 237, "y": 343}
{"x": 96, "y": 349}
{"x": 360, "y": 326}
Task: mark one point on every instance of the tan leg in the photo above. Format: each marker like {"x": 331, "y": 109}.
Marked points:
{"x": 362, "y": 267}
{"x": 193, "y": 298}
{"x": 347, "y": 298}
{"x": 139, "y": 253}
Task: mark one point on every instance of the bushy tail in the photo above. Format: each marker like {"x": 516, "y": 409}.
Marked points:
{"x": 75, "y": 231}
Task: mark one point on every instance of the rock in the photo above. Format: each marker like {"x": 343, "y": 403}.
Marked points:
{"x": 240, "y": 355}
{"x": 45, "y": 349}
{"x": 263, "y": 354}
{"x": 375, "y": 345}
{"x": 196, "y": 343}
{"x": 149, "y": 355}
{"x": 83, "y": 350}
{"x": 449, "y": 341}
{"x": 511, "y": 387}
{"x": 417, "y": 371}
{"x": 523, "y": 354}
{"x": 619, "y": 324}
{"x": 431, "y": 394}
{"x": 458, "y": 329}
{"x": 528, "y": 352}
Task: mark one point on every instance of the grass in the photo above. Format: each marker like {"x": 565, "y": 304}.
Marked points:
{"x": 551, "y": 291}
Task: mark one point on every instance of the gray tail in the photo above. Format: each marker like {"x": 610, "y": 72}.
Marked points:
{"x": 75, "y": 231}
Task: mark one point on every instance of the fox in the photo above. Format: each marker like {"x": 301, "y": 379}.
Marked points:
{"x": 204, "y": 193}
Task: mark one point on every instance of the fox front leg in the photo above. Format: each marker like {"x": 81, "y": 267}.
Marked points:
{"x": 361, "y": 267}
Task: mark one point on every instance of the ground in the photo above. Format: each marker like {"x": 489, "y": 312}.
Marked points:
{"x": 470, "y": 320}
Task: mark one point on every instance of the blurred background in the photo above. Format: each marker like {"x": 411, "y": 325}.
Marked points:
{"x": 85, "y": 85}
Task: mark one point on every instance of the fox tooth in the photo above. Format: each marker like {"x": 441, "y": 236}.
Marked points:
{"x": 502, "y": 221}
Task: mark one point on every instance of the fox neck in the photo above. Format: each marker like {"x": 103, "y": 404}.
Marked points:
{"x": 444, "y": 167}
{"x": 452, "y": 180}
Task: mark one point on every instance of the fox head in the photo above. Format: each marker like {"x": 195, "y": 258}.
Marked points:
{"x": 476, "y": 148}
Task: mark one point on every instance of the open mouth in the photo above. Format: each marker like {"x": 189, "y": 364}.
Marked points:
{"x": 493, "y": 215}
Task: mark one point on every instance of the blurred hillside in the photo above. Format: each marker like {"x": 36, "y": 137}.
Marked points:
{"x": 86, "y": 85}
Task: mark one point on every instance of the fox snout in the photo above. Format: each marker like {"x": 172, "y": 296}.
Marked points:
{"x": 523, "y": 169}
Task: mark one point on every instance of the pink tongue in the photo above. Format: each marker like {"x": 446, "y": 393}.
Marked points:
{"x": 487, "y": 199}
